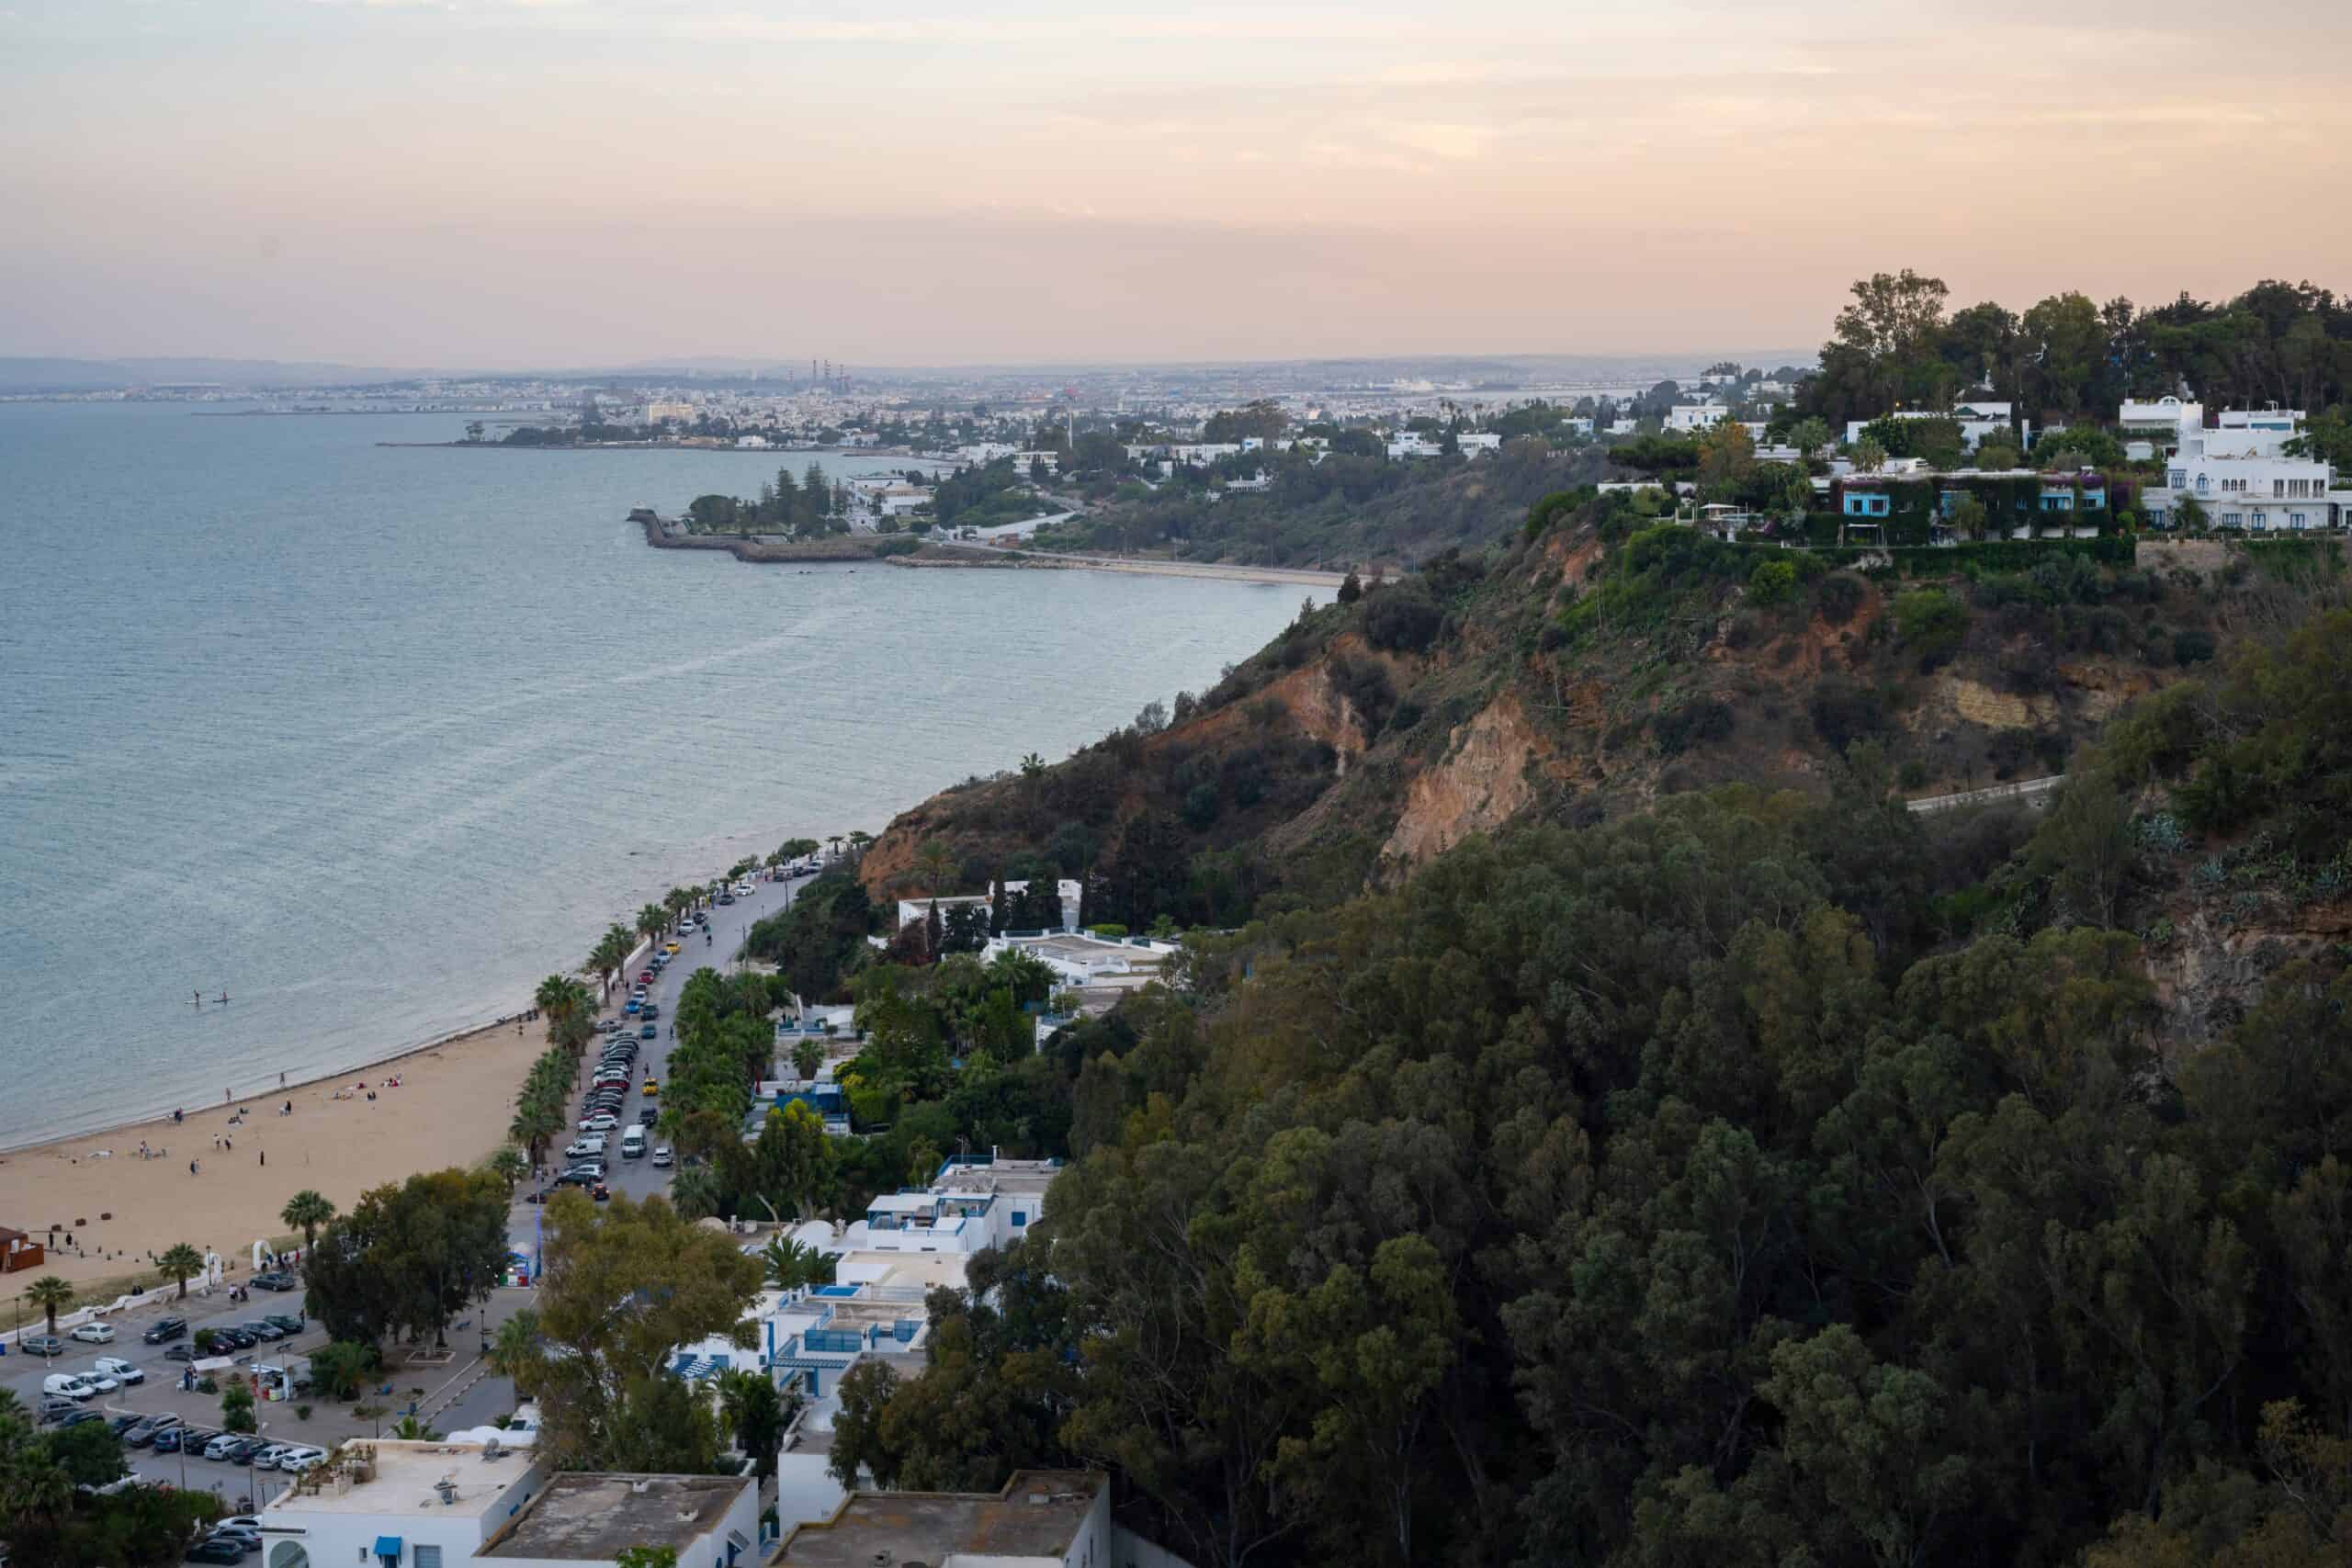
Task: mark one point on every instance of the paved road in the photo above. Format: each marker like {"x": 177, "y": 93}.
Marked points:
{"x": 2031, "y": 791}
{"x": 729, "y": 923}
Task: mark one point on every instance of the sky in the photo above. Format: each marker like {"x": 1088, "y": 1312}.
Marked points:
{"x": 517, "y": 183}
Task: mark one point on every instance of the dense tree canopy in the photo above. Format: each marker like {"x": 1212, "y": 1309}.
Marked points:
{"x": 1674, "y": 1192}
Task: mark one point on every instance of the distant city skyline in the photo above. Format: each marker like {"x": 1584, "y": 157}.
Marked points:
{"x": 522, "y": 184}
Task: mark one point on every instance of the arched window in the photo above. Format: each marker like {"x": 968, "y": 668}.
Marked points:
{"x": 2203, "y": 484}
{"x": 289, "y": 1554}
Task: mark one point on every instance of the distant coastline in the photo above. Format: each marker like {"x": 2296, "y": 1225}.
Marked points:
{"x": 763, "y": 549}
{"x": 894, "y": 452}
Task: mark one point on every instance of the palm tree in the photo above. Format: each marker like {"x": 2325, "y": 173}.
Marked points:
{"x": 651, "y": 921}
{"x": 836, "y": 842}
{"x": 514, "y": 1350}
{"x": 536, "y": 1121}
{"x": 509, "y": 1166}
{"x": 181, "y": 1260}
{"x": 306, "y": 1212}
{"x": 934, "y": 861}
{"x": 859, "y": 840}
{"x": 807, "y": 1057}
{"x": 38, "y": 1489}
{"x": 676, "y": 901}
{"x": 409, "y": 1429}
{"x": 695, "y": 1192}
{"x": 791, "y": 1266}
{"x": 553, "y": 990}
{"x": 47, "y": 1295}
{"x": 609, "y": 954}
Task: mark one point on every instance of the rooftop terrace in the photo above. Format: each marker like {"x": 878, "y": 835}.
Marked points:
{"x": 403, "y": 1475}
{"x": 591, "y": 1517}
{"x": 1036, "y": 1514}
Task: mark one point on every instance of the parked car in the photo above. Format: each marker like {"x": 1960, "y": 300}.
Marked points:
{"x": 602, "y": 1122}
{"x": 144, "y": 1432}
{"x": 268, "y": 1458}
{"x": 726, "y": 897}
{"x": 262, "y": 1328}
{"x": 290, "y": 1322}
{"x": 234, "y": 1338}
{"x": 180, "y": 1352}
{"x": 67, "y": 1385}
{"x": 99, "y": 1382}
{"x": 56, "y": 1408}
{"x": 632, "y": 1006}
{"x": 216, "y": 1549}
{"x": 94, "y": 1333}
{"x": 124, "y": 1423}
{"x": 79, "y": 1417}
{"x": 123, "y": 1371}
{"x": 163, "y": 1329}
{"x": 246, "y": 1541}
{"x": 41, "y": 1345}
{"x": 168, "y": 1441}
{"x": 221, "y": 1445}
{"x": 303, "y": 1457}
{"x": 651, "y": 1009}
{"x": 647, "y": 1032}
{"x": 645, "y": 977}
{"x": 600, "y": 1193}
{"x": 647, "y": 1117}
{"x": 245, "y": 1449}
{"x": 277, "y": 1280}
{"x": 662, "y": 1157}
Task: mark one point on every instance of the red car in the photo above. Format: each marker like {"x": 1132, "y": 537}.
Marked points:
{"x": 645, "y": 977}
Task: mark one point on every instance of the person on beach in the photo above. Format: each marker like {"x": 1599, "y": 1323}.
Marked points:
{"x": 264, "y": 1156}
{"x": 191, "y": 1167}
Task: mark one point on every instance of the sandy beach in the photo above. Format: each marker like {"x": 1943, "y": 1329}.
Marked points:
{"x": 451, "y": 1108}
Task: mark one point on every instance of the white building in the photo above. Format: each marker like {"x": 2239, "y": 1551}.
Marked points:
{"x": 657, "y": 412}
{"x": 1042, "y": 1519}
{"x": 1473, "y": 443}
{"x": 913, "y": 910}
{"x": 396, "y": 1504}
{"x": 1684, "y": 418}
{"x": 1405, "y": 447}
{"x": 1977, "y": 421}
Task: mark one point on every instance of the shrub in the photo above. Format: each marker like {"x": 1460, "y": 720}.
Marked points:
{"x": 301, "y": 1413}
{"x": 1202, "y": 805}
{"x": 1933, "y": 623}
{"x": 1773, "y": 581}
{"x": 2190, "y": 646}
{"x": 1402, "y": 619}
{"x": 1701, "y": 719}
{"x": 1839, "y": 595}
{"x": 1913, "y": 775}
{"x": 1845, "y": 711}
{"x": 1109, "y": 931}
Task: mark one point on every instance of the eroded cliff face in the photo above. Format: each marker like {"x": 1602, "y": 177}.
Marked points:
{"x": 2209, "y": 971}
{"x": 1487, "y": 778}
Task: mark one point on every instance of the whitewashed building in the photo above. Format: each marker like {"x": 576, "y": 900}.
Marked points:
{"x": 385, "y": 1504}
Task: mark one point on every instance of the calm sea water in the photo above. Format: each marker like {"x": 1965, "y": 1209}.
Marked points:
{"x": 373, "y": 739}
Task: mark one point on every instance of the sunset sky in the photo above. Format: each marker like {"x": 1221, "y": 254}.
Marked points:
{"x": 563, "y": 182}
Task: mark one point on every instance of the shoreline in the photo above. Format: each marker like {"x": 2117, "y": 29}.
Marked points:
{"x": 10, "y": 1150}
{"x": 115, "y": 1209}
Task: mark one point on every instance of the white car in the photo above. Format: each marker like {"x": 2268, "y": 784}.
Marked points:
{"x": 661, "y": 1155}
{"x": 100, "y": 1382}
{"x": 94, "y": 1333}
{"x": 267, "y": 1459}
{"x": 120, "y": 1369}
{"x": 300, "y": 1459}
{"x": 66, "y": 1386}
{"x": 603, "y": 1122}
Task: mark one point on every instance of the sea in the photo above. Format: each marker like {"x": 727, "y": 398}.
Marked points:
{"x": 370, "y": 738}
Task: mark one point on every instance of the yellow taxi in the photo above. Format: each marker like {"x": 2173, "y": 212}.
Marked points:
{"x": 671, "y": 948}
{"x": 653, "y": 1090}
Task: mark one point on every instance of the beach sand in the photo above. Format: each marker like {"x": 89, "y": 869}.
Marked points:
{"x": 452, "y": 1107}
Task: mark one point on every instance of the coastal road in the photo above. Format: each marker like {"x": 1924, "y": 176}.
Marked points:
{"x": 730, "y": 924}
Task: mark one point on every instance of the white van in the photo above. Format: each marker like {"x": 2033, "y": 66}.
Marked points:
{"x": 67, "y": 1385}
{"x": 633, "y": 1144}
{"x": 589, "y": 1145}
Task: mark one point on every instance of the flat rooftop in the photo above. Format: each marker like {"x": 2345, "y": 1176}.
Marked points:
{"x": 592, "y": 1518}
{"x": 405, "y": 1476}
{"x": 1036, "y": 1514}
